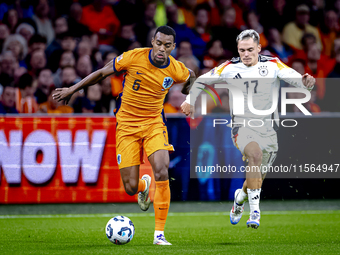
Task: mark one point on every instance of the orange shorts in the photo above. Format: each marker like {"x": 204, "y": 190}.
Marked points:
{"x": 130, "y": 141}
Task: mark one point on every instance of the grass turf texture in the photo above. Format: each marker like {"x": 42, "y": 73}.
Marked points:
{"x": 282, "y": 232}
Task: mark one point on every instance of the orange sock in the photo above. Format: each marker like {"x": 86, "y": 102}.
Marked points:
{"x": 141, "y": 185}
{"x": 161, "y": 204}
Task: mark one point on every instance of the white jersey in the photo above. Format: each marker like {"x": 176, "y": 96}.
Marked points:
{"x": 260, "y": 81}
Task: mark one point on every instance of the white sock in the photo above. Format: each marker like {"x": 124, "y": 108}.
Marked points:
{"x": 254, "y": 199}
{"x": 157, "y": 232}
{"x": 241, "y": 197}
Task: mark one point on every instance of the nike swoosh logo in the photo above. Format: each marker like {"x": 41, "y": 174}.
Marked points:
{"x": 140, "y": 73}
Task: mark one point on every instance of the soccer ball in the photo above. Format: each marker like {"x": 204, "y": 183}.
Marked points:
{"x": 120, "y": 230}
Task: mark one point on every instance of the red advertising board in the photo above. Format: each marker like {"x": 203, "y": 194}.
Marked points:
{"x": 61, "y": 160}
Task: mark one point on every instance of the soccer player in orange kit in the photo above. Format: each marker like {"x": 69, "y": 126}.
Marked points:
{"x": 150, "y": 73}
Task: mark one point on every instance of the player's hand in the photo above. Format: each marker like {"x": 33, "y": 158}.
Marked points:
{"x": 308, "y": 80}
{"x": 62, "y": 94}
{"x": 188, "y": 109}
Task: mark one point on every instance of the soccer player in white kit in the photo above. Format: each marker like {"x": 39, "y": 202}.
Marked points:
{"x": 258, "y": 78}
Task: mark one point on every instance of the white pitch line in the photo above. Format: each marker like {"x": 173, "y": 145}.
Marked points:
{"x": 47, "y": 216}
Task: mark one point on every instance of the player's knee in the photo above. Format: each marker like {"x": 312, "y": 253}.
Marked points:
{"x": 255, "y": 157}
{"x": 131, "y": 188}
{"x": 162, "y": 174}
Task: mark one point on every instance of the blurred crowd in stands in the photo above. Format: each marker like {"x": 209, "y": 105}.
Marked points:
{"x": 48, "y": 44}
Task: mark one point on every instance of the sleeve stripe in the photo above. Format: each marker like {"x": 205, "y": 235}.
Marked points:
{"x": 114, "y": 65}
{"x": 279, "y": 64}
{"x": 220, "y": 68}
{"x": 188, "y": 75}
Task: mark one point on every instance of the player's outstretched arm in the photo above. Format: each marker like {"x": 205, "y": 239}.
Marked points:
{"x": 93, "y": 78}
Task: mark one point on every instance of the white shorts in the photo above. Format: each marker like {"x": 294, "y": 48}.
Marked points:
{"x": 242, "y": 136}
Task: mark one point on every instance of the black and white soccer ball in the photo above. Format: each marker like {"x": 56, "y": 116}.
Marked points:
{"x": 120, "y": 230}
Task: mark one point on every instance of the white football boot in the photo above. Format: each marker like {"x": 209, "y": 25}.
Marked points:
{"x": 237, "y": 210}
{"x": 143, "y": 199}
{"x": 254, "y": 220}
{"x": 160, "y": 240}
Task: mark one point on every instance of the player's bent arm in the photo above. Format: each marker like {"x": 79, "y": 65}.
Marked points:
{"x": 187, "y": 85}
{"x": 295, "y": 79}
{"x": 91, "y": 79}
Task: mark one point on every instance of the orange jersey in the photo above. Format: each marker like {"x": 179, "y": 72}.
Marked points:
{"x": 145, "y": 86}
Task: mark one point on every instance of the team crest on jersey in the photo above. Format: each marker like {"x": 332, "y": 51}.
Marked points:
{"x": 119, "y": 159}
{"x": 119, "y": 58}
{"x": 212, "y": 71}
{"x": 167, "y": 82}
{"x": 263, "y": 70}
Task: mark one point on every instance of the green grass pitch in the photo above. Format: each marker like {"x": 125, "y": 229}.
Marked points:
{"x": 282, "y": 232}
